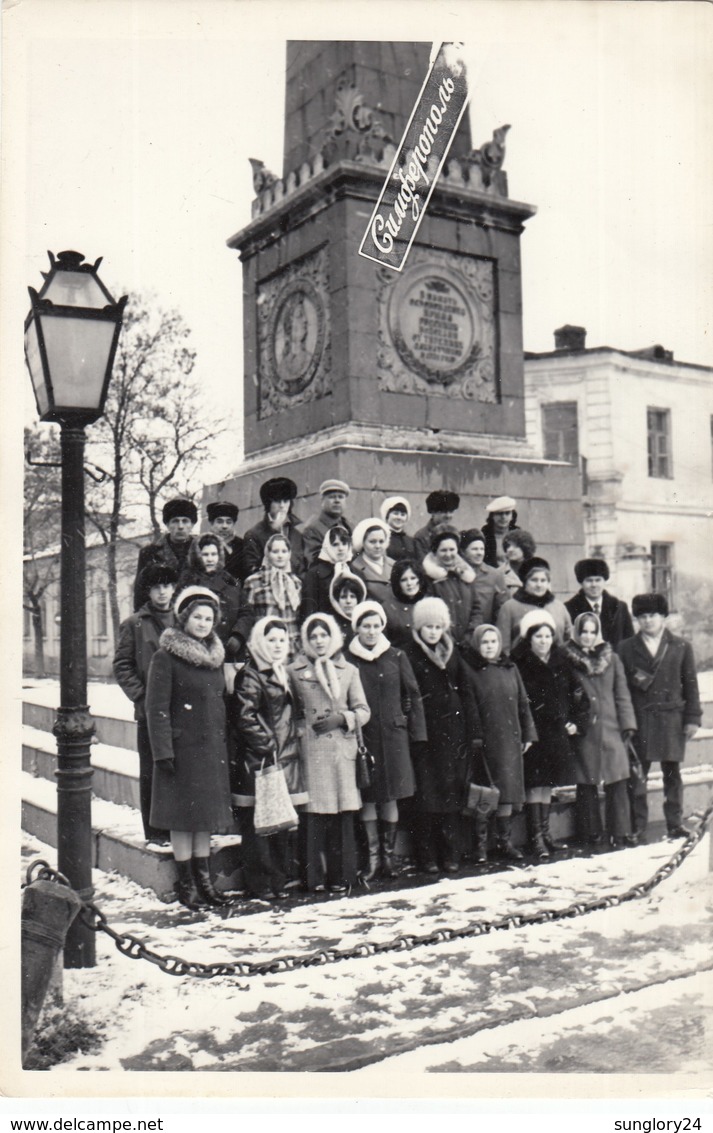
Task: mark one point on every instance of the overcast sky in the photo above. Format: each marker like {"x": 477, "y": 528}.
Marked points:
{"x": 129, "y": 123}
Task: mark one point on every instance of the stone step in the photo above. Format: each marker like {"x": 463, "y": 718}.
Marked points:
{"x": 118, "y": 842}
{"x": 116, "y": 769}
{"x": 111, "y": 730}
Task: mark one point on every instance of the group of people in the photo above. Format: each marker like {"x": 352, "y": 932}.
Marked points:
{"x": 443, "y": 652}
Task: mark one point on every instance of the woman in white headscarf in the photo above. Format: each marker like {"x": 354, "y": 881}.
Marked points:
{"x": 261, "y": 715}
{"x": 331, "y": 704}
{"x": 274, "y": 591}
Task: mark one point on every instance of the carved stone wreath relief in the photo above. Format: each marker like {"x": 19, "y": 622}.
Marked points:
{"x": 293, "y": 336}
{"x": 437, "y": 331}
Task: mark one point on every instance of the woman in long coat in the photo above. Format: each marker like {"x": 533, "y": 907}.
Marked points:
{"x": 263, "y": 731}
{"x": 396, "y": 720}
{"x": 331, "y": 562}
{"x": 442, "y": 764}
{"x": 331, "y": 703}
{"x": 408, "y": 586}
{"x": 534, "y": 594}
{"x": 205, "y": 566}
{"x": 560, "y": 710}
{"x": 274, "y": 591}
{"x": 508, "y": 732}
{"x": 599, "y": 753}
{"x": 370, "y": 540}
{"x": 185, "y": 713}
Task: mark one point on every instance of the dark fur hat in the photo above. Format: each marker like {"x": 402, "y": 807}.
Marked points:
{"x": 156, "y": 574}
{"x": 531, "y": 565}
{"x": 442, "y": 500}
{"x": 222, "y": 507}
{"x": 174, "y": 509}
{"x": 591, "y": 568}
{"x": 279, "y": 488}
{"x": 649, "y": 604}
{"x": 444, "y": 531}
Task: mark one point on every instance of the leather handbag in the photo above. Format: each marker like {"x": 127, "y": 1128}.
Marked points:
{"x": 273, "y": 807}
{"x": 636, "y": 771}
{"x": 481, "y": 801}
{"x": 365, "y": 763}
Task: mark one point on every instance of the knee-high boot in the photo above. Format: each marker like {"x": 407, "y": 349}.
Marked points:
{"x": 480, "y": 841}
{"x": 371, "y": 829}
{"x": 388, "y": 846}
{"x": 536, "y": 842}
{"x": 503, "y": 825}
{"x": 546, "y": 836}
{"x": 204, "y": 883}
{"x": 188, "y": 895}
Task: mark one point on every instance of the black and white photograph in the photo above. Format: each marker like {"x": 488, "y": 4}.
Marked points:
{"x": 358, "y": 374}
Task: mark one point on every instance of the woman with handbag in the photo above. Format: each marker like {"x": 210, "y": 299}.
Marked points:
{"x": 600, "y": 754}
{"x": 560, "y": 710}
{"x": 331, "y": 705}
{"x": 508, "y": 732}
{"x": 396, "y": 719}
{"x": 442, "y": 764}
{"x": 263, "y": 732}
{"x": 185, "y": 713}
{"x": 274, "y": 591}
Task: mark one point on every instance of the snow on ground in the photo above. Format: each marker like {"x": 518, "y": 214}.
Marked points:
{"x": 348, "y": 1014}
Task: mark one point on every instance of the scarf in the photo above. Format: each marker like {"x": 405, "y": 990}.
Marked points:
{"x": 327, "y": 676}
{"x": 359, "y": 650}
{"x": 593, "y": 662}
{"x": 528, "y": 599}
{"x": 285, "y": 587}
{"x": 261, "y": 657}
{"x": 328, "y": 555}
{"x": 461, "y": 569}
{"x": 441, "y": 652}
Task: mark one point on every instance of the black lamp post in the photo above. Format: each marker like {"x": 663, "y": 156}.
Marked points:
{"x": 71, "y": 334}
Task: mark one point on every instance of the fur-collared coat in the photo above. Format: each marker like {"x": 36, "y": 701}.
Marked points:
{"x": 185, "y": 712}
{"x": 671, "y": 701}
{"x": 614, "y": 618}
{"x": 458, "y": 591}
{"x": 507, "y": 724}
{"x": 236, "y": 615}
{"x": 396, "y": 720}
{"x": 557, "y": 697}
{"x": 599, "y": 754}
{"x": 329, "y": 761}
{"x": 262, "y": 728}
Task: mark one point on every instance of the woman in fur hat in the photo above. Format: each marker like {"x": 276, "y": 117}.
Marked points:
{"x": 396, "y": 512}
{"x": 206, "y": 567}
{"x": 534, "y": 593}
{"x": 345, "y": 594}
{"x": 453, "y": 580}
{"x": 331, "y": 703}
{"x": 508, "y": 732}
{"x": 560, "y": 710}
{"x": 370, "y": 541}
{"x": 274, "y": 591}
{"x": 263, "y": 731}
{"x": 396, "y": 719}
{"x": 408, "y": 586}
{"x": 442, "y": 764}
{"x": 185, "y": 713}
{"x": 332, "y": 562}
{"x": 599, "y": 753}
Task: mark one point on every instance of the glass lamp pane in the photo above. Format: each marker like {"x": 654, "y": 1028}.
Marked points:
{"x": 75, "y": 289}
{"x": 77, "y": 355}
{"x": 34, "y": 365}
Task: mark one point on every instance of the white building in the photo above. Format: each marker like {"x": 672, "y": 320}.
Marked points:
{"x": 640, "y": 425}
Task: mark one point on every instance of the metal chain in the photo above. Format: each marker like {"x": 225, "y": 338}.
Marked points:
{"x": 131, "y": 946}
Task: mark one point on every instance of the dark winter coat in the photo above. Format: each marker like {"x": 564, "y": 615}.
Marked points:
{"x": 315, "y": 589}
{"x": 256, "y": 538}
{"x": 261, "y": 719}
{"x": 491, "y": 590}
{"x": 614, "y": 618}
{"x": 313, "y": 534}
{"x": 671, "y": 701}
{"x": 402, "y": 546}
{"x": 399, "y": 620}
{"x": 443, "y": 764}
{"x": 236, "y": 615}
{"x": 491, "y": 542}
{"x": 556, "y": 697}
{"x": 138, "y": 641}
{"x": 234, "y": 551}
{"x": 163, "y": 551}
{"x": 422, "y": 539}
{"x": 185, "y": 712}
{"x": 396, "y": 720}
{"x": 599, "y": 753}
{"x": 507, "y": 724}
{"x": 457, "y": 589}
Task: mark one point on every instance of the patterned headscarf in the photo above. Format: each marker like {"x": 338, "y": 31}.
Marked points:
{"x": 284, "y": 586}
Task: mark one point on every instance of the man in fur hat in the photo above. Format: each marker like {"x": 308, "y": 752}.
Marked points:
{"x": 661, "y": 674}
{"x": 613, "y": 614}
{"x": 333, "y": 494}
{"x": 222, "y": 517}
{"x": 138, "y": 641}
{"x": 277, "y": 496}
{"x": 180, "y": 517}
{"x": 441, "y": 506}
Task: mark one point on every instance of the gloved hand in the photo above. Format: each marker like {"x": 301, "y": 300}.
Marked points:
{"x": 167, "y": 765}
{"x": 628, "y": 734}
{"x": 329, "y": 723}
{"x": 690, "y": 730}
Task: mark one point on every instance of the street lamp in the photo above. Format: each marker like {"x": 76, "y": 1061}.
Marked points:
{"x": 71, "y": 334}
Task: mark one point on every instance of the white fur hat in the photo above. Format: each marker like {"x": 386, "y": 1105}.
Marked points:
{"x": 431, "y": 610}
{"x": 536, "y": 617}
{"x": 365, "y": 608}
{"x": 364, "y": 525}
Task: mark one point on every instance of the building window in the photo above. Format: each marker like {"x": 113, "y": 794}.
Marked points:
{"x": 560, "y": 431}
{"x": 658, "y": 428}
{"x": 662, "y": 570}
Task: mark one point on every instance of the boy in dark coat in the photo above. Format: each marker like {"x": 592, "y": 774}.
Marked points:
{"x": 441, "y": 506}
{"x": 138, "y": 641}
{"x": 180, "y": 517}
{"x": 613, "y": 614}
{"x": 222, "y": 517}
{"x": 661, "y": 673}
